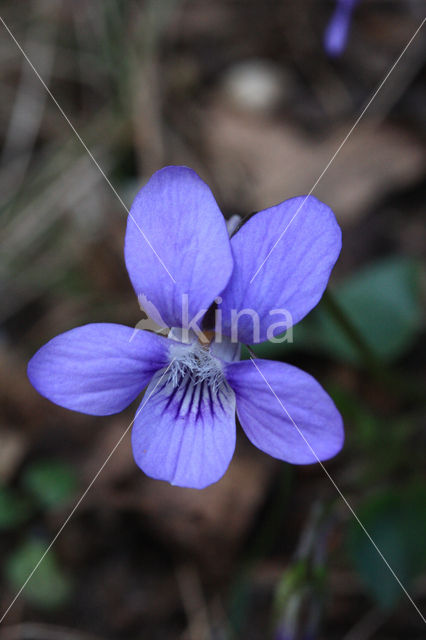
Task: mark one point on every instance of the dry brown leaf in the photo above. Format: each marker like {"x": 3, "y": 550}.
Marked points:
{"x": 258, "y": 162}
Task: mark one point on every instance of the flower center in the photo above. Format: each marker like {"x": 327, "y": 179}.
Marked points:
{"x": 195, "y": 362}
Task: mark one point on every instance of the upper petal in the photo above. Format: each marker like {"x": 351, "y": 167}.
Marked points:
{"x": 184, "y": 434}
{"x": 283, "y": 257}
{"x": 285, "y": 412}
{"x": 97, "y": 369}
{"x": 177, "y": 245}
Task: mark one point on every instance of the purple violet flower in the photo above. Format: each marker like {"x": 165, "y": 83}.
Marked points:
{"x": 182, "y": 264}
{"x": 336, "y": 33}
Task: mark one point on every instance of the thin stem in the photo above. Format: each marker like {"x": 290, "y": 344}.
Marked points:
{"x": 369, "y": 357}
{"x": 391, "y": 380}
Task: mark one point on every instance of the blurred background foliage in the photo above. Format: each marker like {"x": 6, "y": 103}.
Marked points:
{"x": 244, "y": 93}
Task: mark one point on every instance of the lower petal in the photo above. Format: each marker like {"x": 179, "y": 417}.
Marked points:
{"x": 185, "y": 434}
{"x": 285, "y": 412}
{"x": 98, "y": 369}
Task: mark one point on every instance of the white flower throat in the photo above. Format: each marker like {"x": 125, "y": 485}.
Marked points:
{"x": 195, "y": 362}
{"x": 196, "y": 385}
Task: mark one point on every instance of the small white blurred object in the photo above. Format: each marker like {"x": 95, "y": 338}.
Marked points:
{"x": 255, "y": 85}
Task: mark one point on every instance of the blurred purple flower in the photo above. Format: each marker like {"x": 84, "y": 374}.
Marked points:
{"x": 336, "y": 33}
{"x": 282, "y": 635}
{"x": 184, "y": 431}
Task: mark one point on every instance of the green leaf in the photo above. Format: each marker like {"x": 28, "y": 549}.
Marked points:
{"x": 52, "y": 482}
{"x": 382, "y": 301}
{"x": 396, "y": 522}
{"x": 14, "y": 509}
{"x": 49, "y": 587}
